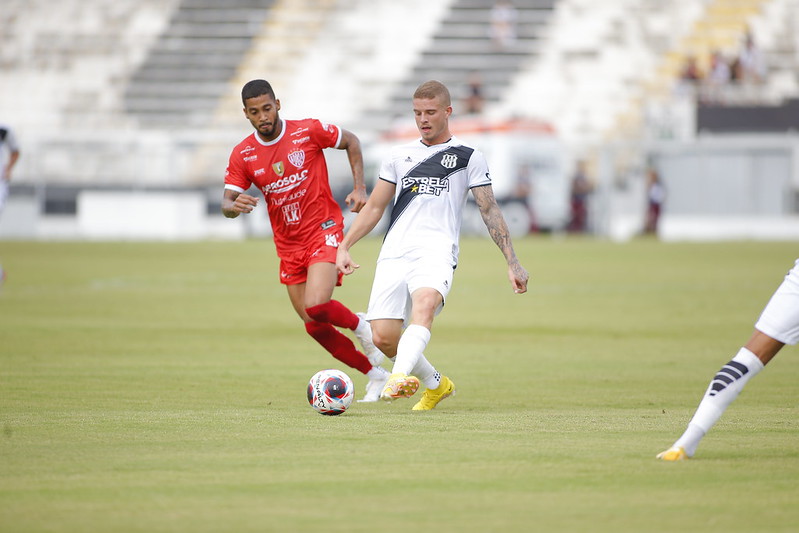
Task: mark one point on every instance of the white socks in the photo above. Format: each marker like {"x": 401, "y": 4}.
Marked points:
{"x": 410, "y": 348}
{"x": 377, "y": 373}
{"x": 427, "y": 373}
{"x": 723, "y": 389}
{"x": 363, "y": 329}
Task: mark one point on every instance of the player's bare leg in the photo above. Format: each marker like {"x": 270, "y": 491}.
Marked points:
{"x": 319, "y": 305}
{"x": 313, "y": 302}
{"x": 386, "y": 334}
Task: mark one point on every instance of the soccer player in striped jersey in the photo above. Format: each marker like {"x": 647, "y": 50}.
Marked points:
{"x": 428, "y": 180}
{"x": 777, "y": 326}
{"x": 285, "y": 160}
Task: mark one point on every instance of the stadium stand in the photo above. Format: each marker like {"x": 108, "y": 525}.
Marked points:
{"x": 83, "y": 51}
{"x": 147, "y": 90}
{"x": 463, "y": 44}
{"x": 593, "y": 58}
{"x": 187, "y": 70}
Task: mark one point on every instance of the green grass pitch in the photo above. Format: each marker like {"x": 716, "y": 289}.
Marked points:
{"x": 158, "y": 387}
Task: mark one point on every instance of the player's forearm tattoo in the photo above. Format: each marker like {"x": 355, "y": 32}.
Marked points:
{"x": 494, "y": 221}
{"x": 498, "y": 230}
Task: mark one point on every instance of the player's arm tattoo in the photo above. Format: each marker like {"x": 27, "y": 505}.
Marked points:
{"x": 494, "y": 221}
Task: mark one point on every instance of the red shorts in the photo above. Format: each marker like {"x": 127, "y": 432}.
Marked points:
{"x": 294, "y": 266}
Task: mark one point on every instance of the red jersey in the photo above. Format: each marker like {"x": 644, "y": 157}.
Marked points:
{"x": 291, "y": 172}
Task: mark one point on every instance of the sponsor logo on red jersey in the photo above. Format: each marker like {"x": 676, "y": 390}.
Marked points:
{"x": 291, "y": 213}
{"x": 285, "y": 184}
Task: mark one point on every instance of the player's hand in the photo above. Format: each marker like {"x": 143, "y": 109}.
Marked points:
{"x": 356, "y": 200}
{"x": 518, "y": 277}
{"x": 344, "y": 262}
{"x": 244, "y": 203}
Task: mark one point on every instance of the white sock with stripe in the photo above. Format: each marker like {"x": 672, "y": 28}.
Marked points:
{"x": 723, "y": 389}
{"x": 427, "y": 373}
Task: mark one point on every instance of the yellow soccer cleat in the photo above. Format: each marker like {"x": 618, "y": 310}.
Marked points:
{"x": 399, "y": 386}
{"x": 675, "y": 453}
{"x": 432, "y": 397}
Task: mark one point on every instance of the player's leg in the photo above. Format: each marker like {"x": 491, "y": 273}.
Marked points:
{"x": 724, "y": 388}
{"x": 389, "y": 305}
{"x": 437, "y": 385}
{"x": 429, "y": 280}
{"x": 412, "y": 343}
{"x": 778, "y": 325}
{"x": 322, "y": 278}
{"x": 336, "y": 343}
{"x": 324, "y": 313}
{"x": 387, "y": 333}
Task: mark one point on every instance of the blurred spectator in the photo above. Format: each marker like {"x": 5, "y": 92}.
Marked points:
{"x": 522, "y": 192}
{"x": 581, "y": 189}
{"x": 718, "y": 79}
{"x": 690, "y": 78}
{"x": 656, "y": 195}
{"x": 753, "y": 66}
{"x": 503, "y": 24}
{"x": 690, "y": 71}
{"x": 736, "y": 71}
{"x": 473, "y": 103}
{"x": 719, "y": 69}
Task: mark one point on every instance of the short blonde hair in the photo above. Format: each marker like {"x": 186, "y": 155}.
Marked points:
{"x": 433, "y": 89}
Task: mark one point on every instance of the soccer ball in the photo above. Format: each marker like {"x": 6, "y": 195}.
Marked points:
{"x": 330, "y": 392}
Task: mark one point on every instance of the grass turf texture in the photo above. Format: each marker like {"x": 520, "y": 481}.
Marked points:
{"x": 150, "y": 387}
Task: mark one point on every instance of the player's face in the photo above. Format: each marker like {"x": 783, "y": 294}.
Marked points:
{"x": 262, "y": 112}
{"x": 432, "y": 119}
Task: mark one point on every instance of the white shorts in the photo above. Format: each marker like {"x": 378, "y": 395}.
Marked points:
{"x": 780, "y": 318}
{"x": 397, "y": 278}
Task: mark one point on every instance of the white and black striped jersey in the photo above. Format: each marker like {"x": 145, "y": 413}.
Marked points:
{"x": 432, "y": 183}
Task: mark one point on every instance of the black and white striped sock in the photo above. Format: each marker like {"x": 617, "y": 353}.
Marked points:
{"x": 723, "y": 389}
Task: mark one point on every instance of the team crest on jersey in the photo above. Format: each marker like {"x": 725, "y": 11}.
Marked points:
{"x": 449, "y": 161}
{"x": 297, "y": 158}
{"x": 278, "y": 168}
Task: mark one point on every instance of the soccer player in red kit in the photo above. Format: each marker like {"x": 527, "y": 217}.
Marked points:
{"x": 285, "y": 160}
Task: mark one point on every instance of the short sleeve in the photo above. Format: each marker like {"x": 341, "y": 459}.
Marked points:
{"x": 478, "y": 170}
{"x": 11, "y": 140}
{"x": 236, "y": 175}
{"x": 387, "y": 170}
{"x": 325, "y": 135}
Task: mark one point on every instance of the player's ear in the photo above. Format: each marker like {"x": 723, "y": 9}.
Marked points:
{"x": 277, "y": 105}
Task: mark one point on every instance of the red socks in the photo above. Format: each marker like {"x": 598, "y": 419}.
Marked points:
{"x": 335, "y": 313}
{"x": 338, "y": 344}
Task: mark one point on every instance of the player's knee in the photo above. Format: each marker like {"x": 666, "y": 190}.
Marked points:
{"x": 320, "y": 312}
{"x": 385, "y": 342}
